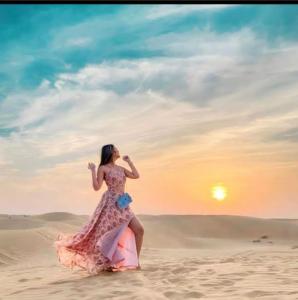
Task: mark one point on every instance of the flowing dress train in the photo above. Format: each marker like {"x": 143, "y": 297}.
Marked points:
{"x": 105, "y": 242}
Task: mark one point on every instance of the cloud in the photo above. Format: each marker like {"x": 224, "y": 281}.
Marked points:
{"x": 290, "y": 134}
{"x": 207, "y": 89}
{"x": 201, "y": 92}
{"x": 162, "y": 11}
{"x": 78, "y": 42}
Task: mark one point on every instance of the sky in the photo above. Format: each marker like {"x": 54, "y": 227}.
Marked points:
{"x": 196, "y": 96}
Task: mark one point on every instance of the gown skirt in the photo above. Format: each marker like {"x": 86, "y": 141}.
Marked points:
{"x": 105, "y": 242}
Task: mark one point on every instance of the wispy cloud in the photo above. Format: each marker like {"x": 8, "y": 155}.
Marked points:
{"x": 170, "y": 100}
{"x": 168, "y": 10}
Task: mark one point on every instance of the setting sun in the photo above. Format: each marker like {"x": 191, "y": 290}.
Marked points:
{"x": 219, "y": 192}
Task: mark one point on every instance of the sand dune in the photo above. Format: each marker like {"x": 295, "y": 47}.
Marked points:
{"x": 183, "y": 257}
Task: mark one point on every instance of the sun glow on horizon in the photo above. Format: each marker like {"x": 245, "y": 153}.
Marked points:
{"x": 219, "y": 192}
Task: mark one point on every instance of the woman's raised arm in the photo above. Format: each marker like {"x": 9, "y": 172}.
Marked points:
{"x": 134, "y": 174}
{"x": 97, "y": 179}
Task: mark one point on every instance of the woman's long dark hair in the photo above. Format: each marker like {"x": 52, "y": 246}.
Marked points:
{"x": 106, "y": 154}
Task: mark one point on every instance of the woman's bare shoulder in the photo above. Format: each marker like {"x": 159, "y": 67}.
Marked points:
{"x": 102, "y": 168}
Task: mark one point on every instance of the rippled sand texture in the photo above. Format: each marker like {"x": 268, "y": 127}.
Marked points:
{"x": 183, "y": 257}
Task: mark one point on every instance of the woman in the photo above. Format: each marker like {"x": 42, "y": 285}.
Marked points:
{"x": 112, "y": 238}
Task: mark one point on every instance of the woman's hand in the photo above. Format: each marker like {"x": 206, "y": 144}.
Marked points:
{"x": 91, "y": 166}
{"x": 133, "y": 173}
{"x": 126, "y": 158}
{"x": 97, "y": 179}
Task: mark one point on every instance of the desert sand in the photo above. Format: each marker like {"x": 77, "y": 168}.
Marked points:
{"x": 183, "y": 257}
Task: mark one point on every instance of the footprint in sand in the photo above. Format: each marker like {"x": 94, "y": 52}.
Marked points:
{"x": 180, "y": 270}
{"x": 227, "y": 282}
{"x": 55, "y": 292}
{"x": 233, "y": 276}
{"x": 257, "y": 293}
{"x": 186, "y": 295}
{"x": 227, "y": 260}
{"x": 193, "y": 295}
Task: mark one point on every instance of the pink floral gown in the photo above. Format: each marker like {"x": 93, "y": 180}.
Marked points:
{"x": 105, "y": 241}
